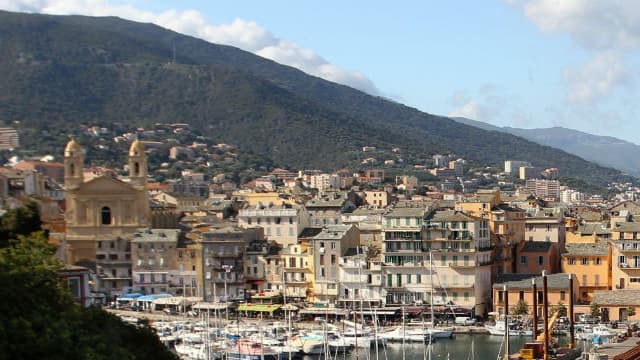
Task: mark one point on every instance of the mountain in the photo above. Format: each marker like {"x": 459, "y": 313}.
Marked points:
{"x": 62, "y": 71}
{"x": 604, "y": 150}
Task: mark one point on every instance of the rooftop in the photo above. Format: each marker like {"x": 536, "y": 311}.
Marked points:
{"x": 523, "y": 281}
{"x": 536, "y": 246}
{"x": 623, "y": 297}
{"x": 587, "y": 249}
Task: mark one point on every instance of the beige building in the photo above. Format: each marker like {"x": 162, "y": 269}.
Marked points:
{"x": 521, "y": 289}
{"x": 281, "y": 224}
{"x": 154, "y": 254}
{"x": 379, "y": 199}
{"x": 101, "y": 212}
{"x": 326, "y": 248}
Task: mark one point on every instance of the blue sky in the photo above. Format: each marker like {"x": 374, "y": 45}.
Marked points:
{"x": 521, "y": 63}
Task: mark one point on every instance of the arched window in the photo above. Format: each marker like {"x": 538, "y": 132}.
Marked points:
{"x": 72, "y": 170}
{"x": 105, "y": 214}
{"x": 136, "y": 169}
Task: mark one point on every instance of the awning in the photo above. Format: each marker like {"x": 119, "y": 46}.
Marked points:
{"x": 323, "y": 311}
{"x": 177, "y": 301}
{"x": 210, "y": 306}
{"x": 258, "y": 307}
{"x": 378, "y": 312}
{"x": 150, "y": 298}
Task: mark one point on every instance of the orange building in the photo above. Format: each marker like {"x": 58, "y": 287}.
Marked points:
{"x": 591, "y": 263}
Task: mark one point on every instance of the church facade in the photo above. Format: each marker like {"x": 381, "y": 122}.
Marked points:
{"x": 102, "y": 211}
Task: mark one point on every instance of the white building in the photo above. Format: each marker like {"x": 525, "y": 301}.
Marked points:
{"x": 512, "y": 167}
{"x": 360, "y": 281}
{"x": 280, "y": 223}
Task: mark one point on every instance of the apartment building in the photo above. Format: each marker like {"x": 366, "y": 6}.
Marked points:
{"x": 326, "y": 248}
{"x": 360, "y": 281}
{"x": 281, "y": 223}
{"x": 591, "y": 263}
{"x": 154, "y": 254}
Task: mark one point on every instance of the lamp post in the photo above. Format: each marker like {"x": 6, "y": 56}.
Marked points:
{"x": 227, "y": 270}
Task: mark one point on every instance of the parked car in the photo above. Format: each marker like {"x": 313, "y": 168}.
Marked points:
{"x": 465, "y": 320}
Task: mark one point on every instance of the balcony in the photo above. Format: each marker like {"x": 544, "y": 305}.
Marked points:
{"x": 457, "y": 265}
{"x": 630, "y": 266}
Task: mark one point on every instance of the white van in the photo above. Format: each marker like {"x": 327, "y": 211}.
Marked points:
{"x": 465, "y": 320}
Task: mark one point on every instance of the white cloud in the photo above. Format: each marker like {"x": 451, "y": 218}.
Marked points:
{"x": 470, "y": 110}
{"x": 597, "y": 78}
{"x": 607, "y": 30}
{"x": 240, "y": 33}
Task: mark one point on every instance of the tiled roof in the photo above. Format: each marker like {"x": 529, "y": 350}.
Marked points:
{"x": 449, "y": 215}
{"x": 587, "y": 249}
{"x": 627, "y": 226}
{"x": 554, "y": 281}
{"x": 617, "y": 297}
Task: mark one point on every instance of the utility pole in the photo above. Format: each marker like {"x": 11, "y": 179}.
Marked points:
{"x": 227, "y": 270}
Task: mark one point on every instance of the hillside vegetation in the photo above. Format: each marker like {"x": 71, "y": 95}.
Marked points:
{"x": 61, "y": 71}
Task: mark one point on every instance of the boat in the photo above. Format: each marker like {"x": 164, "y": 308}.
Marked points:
{"x": 498, "y": 328}
{"x": 245, "y": 349}
{"x": 398, "y": 335}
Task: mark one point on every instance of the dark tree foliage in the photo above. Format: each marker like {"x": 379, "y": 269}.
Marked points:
{"x": 38, "y": 319}
{"x": 19, "y": 221}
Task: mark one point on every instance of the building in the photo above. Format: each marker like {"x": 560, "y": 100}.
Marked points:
{"x": 378, "y": 199}
{"x": 545, "y": 225}
{"x": 625, "y": 257}
{"x": 328, "y": 209}
{"x": 543, "y": 188}
{"x": 9, "y": 138}
{"x": 591, "y": 263}
{"x": 512, "y": 167}
{"x": 324, "y": 182}
{"x": 460, "y": 257}
{"x": 326, "y": 248}
{"x": 533, "y": 257}
{"x": 519, "y": 287}
{"x": 507, "y": 231}
{"x": 102, "y": 212}
{"x": 618, "y": 305}
{"x": 222, "y": 267}
{"x": 77, "y": 279}
{"x": 360, "y": 281}
{"x": 297, "y": 272}
{"x": 528, "y": 172}
{"x": 154, "y": 254}
{"x": 281, "y": 224}
{"x": 404, "y": 254}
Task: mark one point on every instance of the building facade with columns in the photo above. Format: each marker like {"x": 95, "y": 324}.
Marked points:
{"x": 102, "y": 211}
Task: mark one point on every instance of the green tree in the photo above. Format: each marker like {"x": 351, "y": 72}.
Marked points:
{"x": 40, "y": 321}
{"x": 521, "y": 308}
{"x": 19, "y": 221}
{"x": 561, "y": 309}
{"x": 594, "y": 310}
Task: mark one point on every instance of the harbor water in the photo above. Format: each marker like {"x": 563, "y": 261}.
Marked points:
{"x": 458, "y": 348}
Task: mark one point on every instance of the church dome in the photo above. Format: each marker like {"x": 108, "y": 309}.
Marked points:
{"x": 136, "y": 148}
{"x": 72, "y": 148}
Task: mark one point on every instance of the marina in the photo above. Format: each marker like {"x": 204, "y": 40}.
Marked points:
{"x": 254, "y": 339}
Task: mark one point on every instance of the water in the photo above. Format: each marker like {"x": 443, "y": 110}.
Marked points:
{"x": 486, "y": 347}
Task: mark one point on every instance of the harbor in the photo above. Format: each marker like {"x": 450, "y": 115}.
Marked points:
{"x": 316, "y": 339}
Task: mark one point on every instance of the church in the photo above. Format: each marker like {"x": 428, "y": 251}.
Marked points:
{"x": 102, "y": 211}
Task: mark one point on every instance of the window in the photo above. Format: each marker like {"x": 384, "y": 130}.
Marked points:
{"x": 322, "y": 259}
{"x": 563, "y": 295}
{"x": 585, "y": 261}
{"x": 73, "y": 284}
{"x": 105, "y": 214}
{"x": 523, "y": 259}
{"x": 597, "y": 261}
{"x": 466, "y": 296}
{"x": 333, "y": 259}
{"x": 540, "y": 260}
{"x": 99, "y": 244}
{"x": 571, "y": 261}
{"x": 521, "y": 295}
{"x": 596, "y": 280}
{"x": 389, "y": 280}
{"x": 408, "y": 278}
{"x": 333, "y": 244}
{"x": 418, "y": 278}
{"x": 398, "y": 280}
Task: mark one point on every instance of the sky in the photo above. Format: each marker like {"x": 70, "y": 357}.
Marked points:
{"x": 519, "y": 63}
